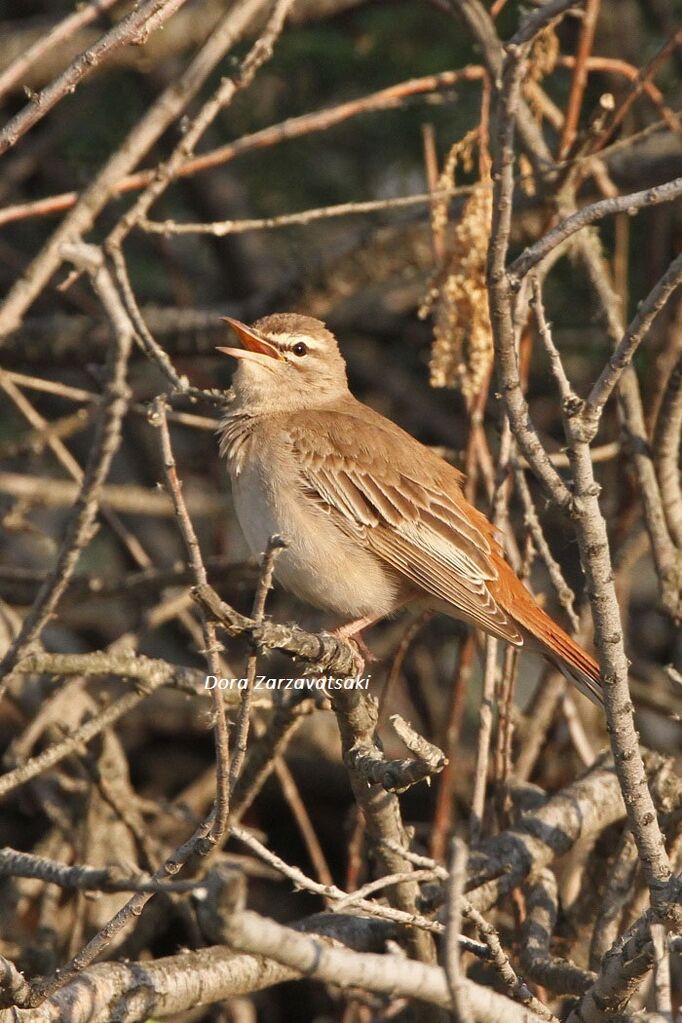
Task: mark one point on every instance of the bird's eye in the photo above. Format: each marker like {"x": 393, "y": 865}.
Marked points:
{"x": 300, "y": 349}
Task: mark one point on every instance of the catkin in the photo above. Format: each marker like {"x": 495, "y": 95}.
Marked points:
{"x": 462, "y": 351}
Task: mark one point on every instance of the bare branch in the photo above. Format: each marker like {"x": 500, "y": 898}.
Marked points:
{"x": 84, "y": 877}
{"x": 453, "y": 968}
{"x": 62, "y": 31}
{"x": 632, "y": 338}
{"x": 211, "y": 648}
{"x": 131, "y": 29}
{"x": 260, "y": 52}
{"x": 579, "y": 81}
{"x": 148, "y": 675}
{"x": 179, "y": 983}
{"x": 107, "y": 437}
{"x": 275, "y": 547}
{"x": 622, "y": 970}
{"x": 357, "y": 898}
{"x": 221, "y": 228}
{"x": 500, "y": 289}
{"x": 542, "y": 910}
{"x": 580, "y": 810}
{"x": 398, "y": 775}
{"x": 666, "y": 445}
{"x": 590, "y": 525}
{"x": 120, "y": 497}
{"x": 516, "y": 987}
{"x": 630, "y": 204}
{"x": 162, "y": 113}
{"x": 387, "y": 973}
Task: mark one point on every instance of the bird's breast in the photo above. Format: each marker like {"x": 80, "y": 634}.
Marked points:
{"x": 321, "y": 564}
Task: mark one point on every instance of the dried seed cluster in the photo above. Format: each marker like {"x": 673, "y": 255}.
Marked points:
{"x": 462, "y": 351}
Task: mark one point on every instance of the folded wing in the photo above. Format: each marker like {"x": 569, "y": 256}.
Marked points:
{"x": 407, "y": 507}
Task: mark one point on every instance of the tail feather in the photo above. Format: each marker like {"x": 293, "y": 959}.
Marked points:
{"x": 542, "y": 632}
{"x": 574, "y": 663}
{"x": 589, "y": 685}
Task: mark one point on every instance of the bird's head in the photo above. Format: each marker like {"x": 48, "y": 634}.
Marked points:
{"x": 288, "y": 361}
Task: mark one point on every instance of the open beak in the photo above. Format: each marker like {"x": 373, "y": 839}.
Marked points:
{"x": 256, "y": 348}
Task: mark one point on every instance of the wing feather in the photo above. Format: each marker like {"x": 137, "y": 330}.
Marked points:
{"x": 404, "y": 505}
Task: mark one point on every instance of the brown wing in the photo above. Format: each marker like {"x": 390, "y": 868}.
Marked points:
{"x": 405, "y": 504}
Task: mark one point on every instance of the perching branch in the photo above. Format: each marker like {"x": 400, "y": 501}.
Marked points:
{"x": 322, "y": 654}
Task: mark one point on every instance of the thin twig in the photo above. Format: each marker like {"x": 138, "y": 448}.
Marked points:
{"x": 88, "y": 204}
{"x": 135, "y": 27}
{"x": 62, "y": 31}
{"x": 104, "y": 446}
{"x": 646, "y": 313}
{"x": 645, "y": 75}
{"x": 211, "y": 647}
{"x": 579, "y": 81}
{"x": 516, "y": 987}
{"x": 260, "y": 52}
{"x": 148, "y": 676}
{"x": 275, "y": 547}
{"x": 485, "y": 726}
{"x": 630, "y": 204}
{"x": 148, "y": 343}
{"x": 221, "y": 228}
{"x": 291, "y": 793}
{"x": 453, "y": 970}
{"x": 301, "y": 880}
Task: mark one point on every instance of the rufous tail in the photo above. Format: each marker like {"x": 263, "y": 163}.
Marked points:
{"x": 571, "y": 660}
{"x": 542, "y": 633}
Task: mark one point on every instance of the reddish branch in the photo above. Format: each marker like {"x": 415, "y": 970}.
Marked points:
{"x": 647, "y": 73}
{"x": 575, "y": 96}
{"x": 612, "y": 65}
{"x": 294, "y": 127}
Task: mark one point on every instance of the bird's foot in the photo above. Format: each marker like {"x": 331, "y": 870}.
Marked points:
{"x": 352, "y": 632}
{"x": 367, "y": 656}
{"x": 361, "y": 652}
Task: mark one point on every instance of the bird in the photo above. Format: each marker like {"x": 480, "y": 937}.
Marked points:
{"x": 373, "y": 520}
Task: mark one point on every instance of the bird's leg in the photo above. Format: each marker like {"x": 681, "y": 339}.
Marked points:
{"x": 353, "y": 631}
{"x": 349, "y": 630}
